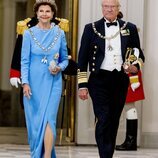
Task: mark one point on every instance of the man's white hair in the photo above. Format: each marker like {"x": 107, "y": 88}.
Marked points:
{"x": 117, "y": 1}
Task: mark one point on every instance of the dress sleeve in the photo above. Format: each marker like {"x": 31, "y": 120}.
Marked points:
{"x": 25, "y": 57}
{"x": 63, "y": 57}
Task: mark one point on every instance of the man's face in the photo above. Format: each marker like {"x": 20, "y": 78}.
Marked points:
{"x": 110, "y": 9}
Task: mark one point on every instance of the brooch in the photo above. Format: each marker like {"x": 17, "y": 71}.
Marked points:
{"x": 125, "y": 32}
{"x": 54, "y": 62}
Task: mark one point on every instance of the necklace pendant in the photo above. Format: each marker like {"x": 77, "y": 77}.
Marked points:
{"x": 110, "y": 48}
{"x": 44, "y": 60}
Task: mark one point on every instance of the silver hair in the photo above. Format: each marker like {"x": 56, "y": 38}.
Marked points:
{"x": 117, "y": 1}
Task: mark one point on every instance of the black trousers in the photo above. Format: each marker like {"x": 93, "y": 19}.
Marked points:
{"x": 108, "y": 91}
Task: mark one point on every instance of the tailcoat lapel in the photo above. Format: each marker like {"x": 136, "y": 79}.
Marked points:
{"x": 101, "y": 29}
{"x": 123, "y": 39}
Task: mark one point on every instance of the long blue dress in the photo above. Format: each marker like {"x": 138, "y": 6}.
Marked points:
{"x": 38, "y": 49}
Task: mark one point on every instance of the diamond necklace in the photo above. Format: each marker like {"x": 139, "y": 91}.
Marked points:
{"x": 110, "y": 48}
{"x": 44, "y": 59}
{"x": 40, "y": 45}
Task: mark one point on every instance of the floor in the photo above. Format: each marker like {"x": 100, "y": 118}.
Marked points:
{"x": 12, "y": 138}
{"x": 22, "y": 151}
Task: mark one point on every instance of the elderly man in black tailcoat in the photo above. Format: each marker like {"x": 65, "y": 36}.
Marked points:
{"x": 103, "y": 47}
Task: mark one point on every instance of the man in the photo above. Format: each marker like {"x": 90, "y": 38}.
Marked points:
{"x": 104, "y": 45}
{"x": 15, "y": 74}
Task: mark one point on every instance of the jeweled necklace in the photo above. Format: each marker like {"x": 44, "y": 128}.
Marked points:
{"x": 110, "y": 48}
{"x": 44, "y": 59}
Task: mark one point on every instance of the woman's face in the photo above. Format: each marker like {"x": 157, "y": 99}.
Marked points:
{"x": 44, "y": 14}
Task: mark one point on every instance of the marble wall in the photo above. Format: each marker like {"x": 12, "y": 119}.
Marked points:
{"x": 11, "y": 113}
{"x": 150, "y": 108}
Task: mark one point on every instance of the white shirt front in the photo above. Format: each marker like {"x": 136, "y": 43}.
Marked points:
{"x": 113, "y": 58}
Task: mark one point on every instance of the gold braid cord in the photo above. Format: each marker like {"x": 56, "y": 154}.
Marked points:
{"x": 130, "y": 57}
{"x": 82, "y": 77}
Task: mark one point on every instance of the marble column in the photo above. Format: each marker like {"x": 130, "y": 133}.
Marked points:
{"x": 8, "y": 27}
{"x": 11, "y": 113}
{"x": 150, "y": 104}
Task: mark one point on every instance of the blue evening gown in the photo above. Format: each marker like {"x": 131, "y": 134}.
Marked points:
{"x": 41, "y": 109}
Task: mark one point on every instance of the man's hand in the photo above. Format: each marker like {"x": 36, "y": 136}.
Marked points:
{"x": 14, "y": 81}
{"x": 83, "y": 93}
{"x": 130, "y": 69}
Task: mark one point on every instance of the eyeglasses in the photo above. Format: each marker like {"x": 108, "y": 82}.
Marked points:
{"x": 110, "y": 6}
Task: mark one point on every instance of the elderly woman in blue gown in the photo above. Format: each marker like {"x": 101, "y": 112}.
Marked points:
{"x": 44, "y": 56}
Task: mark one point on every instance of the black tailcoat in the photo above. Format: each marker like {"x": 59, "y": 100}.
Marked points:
{"x": 92, "y": 49}
{"x": 108, "y": 89}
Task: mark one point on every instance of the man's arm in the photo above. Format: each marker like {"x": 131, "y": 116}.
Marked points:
{"x": 16, "y": 59}
{"x": 83, "y": 58}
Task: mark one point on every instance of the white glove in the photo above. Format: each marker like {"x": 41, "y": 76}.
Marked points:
{"x": 14, "y": 81}
{"x": 136, "y": 53}
{"x": 134, "y": 86}
{"x": 134, "y": 81}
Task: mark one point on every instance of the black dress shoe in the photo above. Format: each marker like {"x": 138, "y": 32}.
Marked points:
{"x": 126, "y": 146}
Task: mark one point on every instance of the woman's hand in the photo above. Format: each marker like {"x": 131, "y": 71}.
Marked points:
{"x": 55, "y": 70}
{"x": 27, "y": 91}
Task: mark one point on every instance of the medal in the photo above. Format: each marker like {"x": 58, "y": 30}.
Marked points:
{"x": 109, "y": 48}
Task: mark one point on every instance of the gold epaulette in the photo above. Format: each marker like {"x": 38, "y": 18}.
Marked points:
{"x": 63, "y": 24}
{"x": 82, "y": 77}
{"x": 22, "y": 26}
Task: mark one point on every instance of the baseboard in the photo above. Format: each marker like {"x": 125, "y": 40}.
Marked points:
{"x": 149, "y": 140}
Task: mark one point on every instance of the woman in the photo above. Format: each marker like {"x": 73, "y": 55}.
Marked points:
{"x": 44, "y": 56}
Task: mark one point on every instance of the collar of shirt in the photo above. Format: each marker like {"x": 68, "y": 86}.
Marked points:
{"x": 107, "y": 21}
